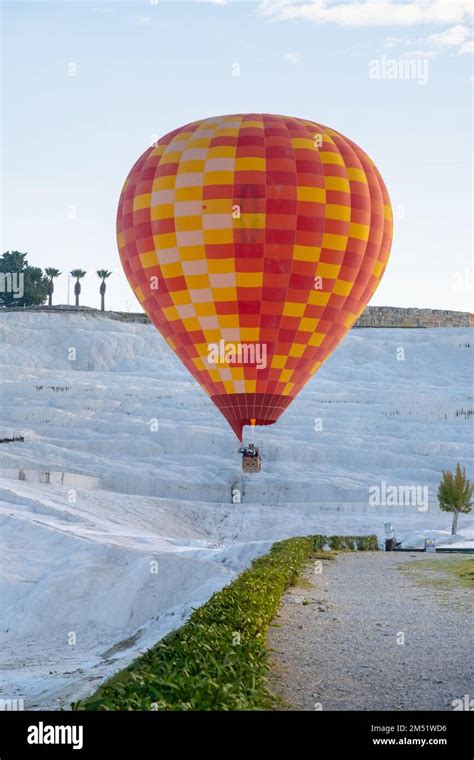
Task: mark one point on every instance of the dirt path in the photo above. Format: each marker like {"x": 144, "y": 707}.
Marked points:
{"x": 337, "y": 639}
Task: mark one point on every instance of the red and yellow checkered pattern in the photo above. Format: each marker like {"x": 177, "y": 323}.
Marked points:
{"x": 260, "y": 230}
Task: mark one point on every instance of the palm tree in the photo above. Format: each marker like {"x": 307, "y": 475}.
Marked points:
{"x": 103, "y": 274}
{"x": 52, "y": 274}
{"x": 78, "y": 274}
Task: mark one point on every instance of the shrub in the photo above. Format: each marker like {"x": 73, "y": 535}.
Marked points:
{"x": 319, "y": 542}
{"x": 455, "y": 494}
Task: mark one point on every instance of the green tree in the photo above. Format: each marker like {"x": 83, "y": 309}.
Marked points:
{"x": 21, "y": 284}
{"x": 52, "y": 274}
{"x": 454, "y": 494}
{"x": 103, "y": 274}
{"x": 78, "y": 274}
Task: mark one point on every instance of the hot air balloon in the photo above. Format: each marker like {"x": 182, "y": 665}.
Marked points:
{"x": 253, "y": 242}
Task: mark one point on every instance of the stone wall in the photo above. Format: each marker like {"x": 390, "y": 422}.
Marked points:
{"x": 121, "y": 316}
{"x": 373, "y": 316}
{"x": 392, "y": 316}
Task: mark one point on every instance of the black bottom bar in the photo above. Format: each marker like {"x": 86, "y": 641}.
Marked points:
{"x": 136, "y": 735}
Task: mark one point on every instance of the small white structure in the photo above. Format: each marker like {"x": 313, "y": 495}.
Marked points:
{"x": 52, "y": 477}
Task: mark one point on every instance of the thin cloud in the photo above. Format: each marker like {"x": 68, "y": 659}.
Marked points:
{"x": 142, "y": 20}
{"x": 453, "y": 36}
{"x": 293, "y": 57}
{"x": 454, "y": 14}
{"x": 391, "y": 42}
{"x": 418, "y": 54}
{"x": 371, "y": 12}
{"x": 467, "y": 48}
{"x": 456, "y": 39}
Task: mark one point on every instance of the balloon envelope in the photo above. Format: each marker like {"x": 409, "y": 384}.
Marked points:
{"x": 253, "y": 242}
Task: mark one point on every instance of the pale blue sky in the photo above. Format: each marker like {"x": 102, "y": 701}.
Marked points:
{"x": 143, "y": 69}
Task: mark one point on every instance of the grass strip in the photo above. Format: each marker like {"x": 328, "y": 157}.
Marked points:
{"x": 443, "y": 572}
{"x": 218, "y": 660}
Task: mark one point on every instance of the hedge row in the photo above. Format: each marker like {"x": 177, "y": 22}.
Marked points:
{"x": 218, "y": 659}
{"x": 348, "y": 543}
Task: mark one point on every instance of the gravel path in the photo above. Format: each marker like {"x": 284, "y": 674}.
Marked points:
{"x": 335, "y": 639}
